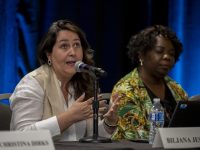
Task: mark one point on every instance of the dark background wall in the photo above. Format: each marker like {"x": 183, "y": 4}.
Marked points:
{"x": 108, "y": 25}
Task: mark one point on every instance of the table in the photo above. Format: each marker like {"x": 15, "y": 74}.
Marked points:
{"x": 115, "y": 145}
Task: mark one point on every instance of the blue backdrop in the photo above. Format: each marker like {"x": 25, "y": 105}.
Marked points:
{"x": 108, "y": 25}
{"x": 184, "y": 18}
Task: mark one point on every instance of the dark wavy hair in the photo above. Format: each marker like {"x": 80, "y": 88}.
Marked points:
{"x": 82, "y": 82}
{"x": 145, "y": 40}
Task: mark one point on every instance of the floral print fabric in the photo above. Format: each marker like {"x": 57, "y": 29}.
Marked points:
{"x": 135, "y": 104}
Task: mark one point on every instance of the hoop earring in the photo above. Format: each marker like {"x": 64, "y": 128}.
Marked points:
{"x": 141, "y": 62}
{"x": 49, "y": 62}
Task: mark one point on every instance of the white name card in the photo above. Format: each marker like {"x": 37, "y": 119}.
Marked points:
{"x": 176, "y": 138}
{"x": 26, "y": 140}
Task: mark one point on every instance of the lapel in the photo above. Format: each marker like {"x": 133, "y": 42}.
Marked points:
{"x": 54, "y": 100}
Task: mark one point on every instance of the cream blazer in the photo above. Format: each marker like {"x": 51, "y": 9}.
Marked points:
{"x": 54, "y": 101}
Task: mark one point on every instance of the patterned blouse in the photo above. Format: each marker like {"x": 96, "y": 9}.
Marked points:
{"x": 135, "y": 104}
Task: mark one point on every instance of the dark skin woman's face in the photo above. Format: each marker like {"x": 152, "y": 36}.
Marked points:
{"x": 159, "y": 60}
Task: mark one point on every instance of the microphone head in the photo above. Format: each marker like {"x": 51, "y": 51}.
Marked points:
{"x": 78, "y": 65}
{"x": 82, "y": 67}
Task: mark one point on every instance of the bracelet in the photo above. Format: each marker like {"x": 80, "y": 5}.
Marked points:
{"x": 109, "y": 125}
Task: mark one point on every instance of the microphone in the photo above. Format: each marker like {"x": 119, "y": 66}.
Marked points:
{"x": 82, "y": 67}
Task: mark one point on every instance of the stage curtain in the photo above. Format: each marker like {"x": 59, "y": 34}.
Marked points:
{"x": 184, "y": 19}
{"x": 108, "y": 25}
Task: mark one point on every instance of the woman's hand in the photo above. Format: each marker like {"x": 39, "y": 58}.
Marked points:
{"x": 78, "y": 111}
{"x": 103, "y": 103}
{"x": 111, "y": 117}
{"x": 81, "y": 109}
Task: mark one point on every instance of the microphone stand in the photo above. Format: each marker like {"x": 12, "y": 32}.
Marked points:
{"x": 95, "y": 138}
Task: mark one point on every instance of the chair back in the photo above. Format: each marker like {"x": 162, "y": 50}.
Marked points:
{"x": 5, "y": 96}
{"x": 195, "y": 98}
{"x": 5, "y": 112}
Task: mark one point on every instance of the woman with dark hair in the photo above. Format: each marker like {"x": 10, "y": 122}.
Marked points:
{"x": 153, "y": 51}
{"x": 54, "y": 96}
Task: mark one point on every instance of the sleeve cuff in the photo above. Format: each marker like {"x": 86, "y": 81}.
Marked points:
{"x": 50, "y": 124}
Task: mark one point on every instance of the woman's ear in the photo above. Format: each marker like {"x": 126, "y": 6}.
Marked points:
{"x": 140, "y": 55}
{"x": 140, "y": 58}
{"x": 48, "y": 55}
{"x": 49, "y": 61}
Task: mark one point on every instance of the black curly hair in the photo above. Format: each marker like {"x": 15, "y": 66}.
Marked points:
{"x": 145, "y": 40}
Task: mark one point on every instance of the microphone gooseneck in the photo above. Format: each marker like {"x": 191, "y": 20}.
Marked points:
{"x": 96, "y": 73}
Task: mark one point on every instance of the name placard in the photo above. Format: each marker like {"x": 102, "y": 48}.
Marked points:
{"x": 177, "y": 138}
{"x": 26, "y": 140}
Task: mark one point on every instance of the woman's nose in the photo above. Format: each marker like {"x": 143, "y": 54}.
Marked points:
{"x": 71, "y": 50}
{"x": 166, "y": 56}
